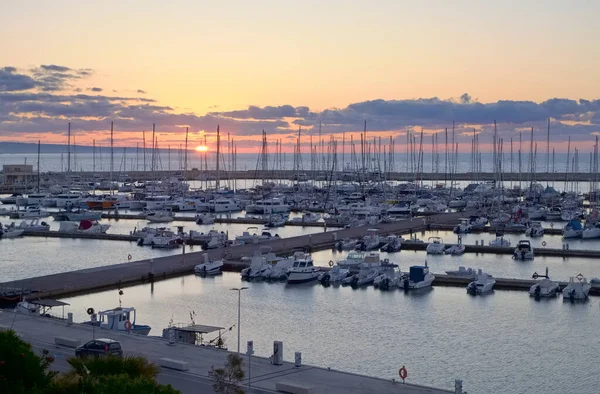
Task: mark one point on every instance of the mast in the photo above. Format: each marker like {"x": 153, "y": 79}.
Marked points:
{"x": 218, "y": 153}
{"x": 112, "y": 159}
{"x": 185, "y": 160}
{"x": 94, "y": 157}
{"x": 38, "y": 167}
{"x": 69, "y": 150}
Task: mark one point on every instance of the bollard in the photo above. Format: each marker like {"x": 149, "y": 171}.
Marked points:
{"x": 335, "y": 236}
{"x": 70, "y": 318}
{"x": 298, "y": 359}
{"x": 476, "y": 243}
{"x": 171, "y": 337}
{"x": 482, "y": 242}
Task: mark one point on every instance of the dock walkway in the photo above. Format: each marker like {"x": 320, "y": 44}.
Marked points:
{"x": 264, "y": 375}
{"x": 110, "y": 276}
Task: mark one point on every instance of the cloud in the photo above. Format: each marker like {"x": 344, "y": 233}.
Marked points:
{"x": 95, "y": 89}
{"x": 140, "y": 91}
{"x": 10, "y": 82}
{"x": 254, "y": 112}
{"x": 54, "y": 67}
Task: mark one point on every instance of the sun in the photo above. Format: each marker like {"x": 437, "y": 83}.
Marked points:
{"x": 201, "y": 148}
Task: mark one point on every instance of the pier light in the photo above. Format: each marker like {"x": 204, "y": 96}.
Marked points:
{"x": 239, "y": 290}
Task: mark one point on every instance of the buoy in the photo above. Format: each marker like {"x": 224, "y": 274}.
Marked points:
{"x": 544, "y": 243}
{"x": 128, "y": 325}
{"x": 403, "y": 373}
{"x": 331, "y": 263}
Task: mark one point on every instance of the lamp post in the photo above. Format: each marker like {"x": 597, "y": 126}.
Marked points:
{"x": 239, "y": 290}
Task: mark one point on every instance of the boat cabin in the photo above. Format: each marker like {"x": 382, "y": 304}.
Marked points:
{"x": 417, "y": 273}
{"x": 115, "y": 319}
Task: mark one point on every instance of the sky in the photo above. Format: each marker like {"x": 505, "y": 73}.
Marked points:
{"x": 282, "y": 64}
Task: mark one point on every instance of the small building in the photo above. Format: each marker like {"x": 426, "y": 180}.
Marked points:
{"x": 18, "y": 174}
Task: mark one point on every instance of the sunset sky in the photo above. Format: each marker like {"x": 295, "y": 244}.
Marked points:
{"x": 279, "y": 64}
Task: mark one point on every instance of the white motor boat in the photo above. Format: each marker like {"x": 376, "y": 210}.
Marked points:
{"x": 11, "y": 232}
{"x": 303, "y": 271}
{"x": 251, "y": 238}
{"x": 436, "y": 245}
{"x": 160, "y": 216}
{"x": 536, "y": 212}
{"x": 573, "y": 229}
{"x": 212, "y": 239}
{"x": 457, "y": 203}
{"x": 577, "y": 289}
{"x": 419, "y": 277}
{"x": 371, "y": 240}
{"x": 280, "y": 267}
{"x": 32, "y": 212}
{"x": 276, "y": 221}
{"x": 355, "y": 259}
{"x": 543, "y": 287}
{"x": 34, "y": 226}
{"x": 591, "y": 232}
{"x": 455, "y": 250}
{"x": 258, "y": 263}
{"x": 84, "y": 226}
{"x": 221, "y": 205}
{"x": 307, "y": 217}
{"x": 523, "y": 251}
{"x": 463, "y": 272}
{"x": 209, "y": 268}
{"x": 164, "y": 239}
{"x": 499, "y": 242}
{"x": 478, "y": 222}
{"x": 335, "y": 275}
{"x": 464, "y": 227}
{"x": 390, "y": 278}
{"x": 553, "y": 213}
{"x": 346, "y": 244}
{"x": 205, "y": 218}
{"x": 393, "y": 243}
{"x": 120, "y": 319}
{"x": 534, "y": 230}
{"x": 483, "y": 284}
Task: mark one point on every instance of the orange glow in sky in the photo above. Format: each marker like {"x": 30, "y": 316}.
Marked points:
{"x": 201, "y": 148}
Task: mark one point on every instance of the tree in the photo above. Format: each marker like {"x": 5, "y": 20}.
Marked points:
{"x": 21, "y": 370}
{"x": 228, "y": 378}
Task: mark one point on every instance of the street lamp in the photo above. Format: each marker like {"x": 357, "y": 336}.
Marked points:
{"x": 239, "y": 290}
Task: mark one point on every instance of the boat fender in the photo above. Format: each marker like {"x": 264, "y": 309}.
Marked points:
{"x": 331, "y": 263}
{"x": 90, "y": 311}
{"x": 403, "y": 373}
{"x": 128, "y": 325}
{"x": 544, "y": 243}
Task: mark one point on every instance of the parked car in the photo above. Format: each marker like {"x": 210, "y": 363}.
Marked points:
{"x": 99, "y": 347}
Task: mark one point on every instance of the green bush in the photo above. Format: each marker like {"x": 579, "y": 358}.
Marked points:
{"x": 108, "y": 384}
{"x": 21, "y": 370}
{"x": 132, "y": 366}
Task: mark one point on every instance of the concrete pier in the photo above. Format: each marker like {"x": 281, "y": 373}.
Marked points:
{"x": 264, "y": 377}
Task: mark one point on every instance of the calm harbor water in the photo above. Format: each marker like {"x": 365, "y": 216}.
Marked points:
{"x": 505, "y": 342}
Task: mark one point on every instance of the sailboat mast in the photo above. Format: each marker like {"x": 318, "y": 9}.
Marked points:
{"x": 38, "y": 167}
{"x": 112, "y": 158}
{"x": 218, "y": 159}
{"x": 69, "y": 149}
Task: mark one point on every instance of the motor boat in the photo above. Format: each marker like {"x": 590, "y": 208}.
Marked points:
{"x": 303, "y": 271}
{"x": 209, "y": 267}
{"x": 455, "y": 250}
{"x": 393, "y": 243}
{"x": 335, "y": 275}
{"x": 355, "y": 259}
{"x": 307, "y": 217}
{"x": 577, "y": 289}
{"x": 464, "y": 227}
{"x": 483, "y": 284}
{"x": 457, "y": 203}
{"x": 76, "y": 215}
{"x": 119, "y": 319}
{"x": 366, "y": 275}
{"x": 499, "y": 242}
{"x": 419, "y": 277}
{"x": 84, "y": 226}
{"x": 270, "y": 205}
{"x": 10, "y": 231}
{"x": 346, "y": 244}
{"x": 34, "y": 226}
{"x": 371, "y": 240}
{"x": 221, "y": 205}
{"x": 163, "y": 239}
{"x": 160, "y": 216}
{"x": 436, "y": 245}
{"x": 591, "y": 232}
{"x": 211, "y": 240}
{"x": 29, "y": 212}
{"x": 276, "y": 221}
{"x": 279, "y": 267}
{"x": 534, "y": 230}
{"x": 252, "y": 238}
{"x": 258, "y": 263}
{"x": 12, "y": 199}
{"x": 536, "y": 212}
{"x": 523, "y": 251}
{"x": 463, "y": 272}
{"x": 389, "y": 278}
{"x": 205, "y": 218}
{"x": 543, "y": 287}
{"x": 573, "y": 229}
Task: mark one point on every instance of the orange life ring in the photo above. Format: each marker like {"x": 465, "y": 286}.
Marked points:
{"x": 128, "y": 325}
{"x": 403, "y": 373}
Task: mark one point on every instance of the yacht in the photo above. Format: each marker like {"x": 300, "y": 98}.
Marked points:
{"x": 346, "y": 244}
{"x": 34, "y": 226}
{"x": 419, "y": 277}
{"x": 30, "y": 212}
{"x": 543, "y": 287}
{"x": 577, "y": 289}
{"x": 83, "y": 226}
{"x": 478, "y": 222}
{"x": 371, "y": 240}
{"x": 221, "y": 205}
{"x": 483, "y": 284}
{"x": 553, "y": 213}
{"x": 307, "y": 217}
{"x": 499, "y": 242}
{"x": 573, "y": 229}
{"x": 205, "y": 218}
{"x": 76, "y": 215}
{"x": 401, "y": 209}
{"x": 366, "y": 275}
{"x": 303, "y": 271}
{"x": 271, "y": 205}
{"x": 162, "y": 239}
{"x": 355, "y": 259}
{"x": 209, "y": 268}
{"x": 436, "y": 245}
{"x": 12, "y": 199}
{"x": 523, "y": 251}
{"x": 463, "y": 272}
{"x": 389, "y": 278}
{"x": 534, "y": 230}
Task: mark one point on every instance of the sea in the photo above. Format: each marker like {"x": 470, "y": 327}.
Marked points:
{"x": 504, "y": 342}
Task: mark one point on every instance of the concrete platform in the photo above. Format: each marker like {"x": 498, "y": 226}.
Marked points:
{"x": 41, "y": 331}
